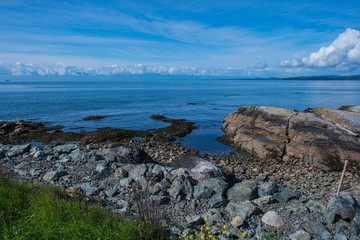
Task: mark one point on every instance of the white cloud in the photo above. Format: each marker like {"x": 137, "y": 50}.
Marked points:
{"x": 342, "y": 54}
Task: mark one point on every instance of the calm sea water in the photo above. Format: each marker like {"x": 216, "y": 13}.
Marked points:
{"x": 130, "y": 101}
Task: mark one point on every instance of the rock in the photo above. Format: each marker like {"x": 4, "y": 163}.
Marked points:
{"x": 314, "y": 228}
{"x": 300, "y": 235}
{"x": 194, "y": 220}
{"x": 201, "y": 192}
{"x": 322, "y": 138}
{"x": 217, "y": 200}
{"x": 126, "y": 182}
{"x": 296, "y": 206}
{"x": 182, "y": 186}
{"x": 355, "y": 223}
{"x": 213, "y": 216}
{"x": 350, "y": 108}
{"x": 18, "y": 150}
{"x": 121, "y": 173}
{"x": 160, "y": 200}
{"x": 67, "y": 148}
{"x": 138, "y": 171}
{"x": 243, "y": 209}
{"x": 263, "y": 200}
{"x": 166, "y": 182}
{"x": 272, "y": 218}
{"x": 326, "y": 236}
{"x": 268, "y": 188}
{"x": 39, "y": 154}
{"x": 20, "y": 172}
{"x": 315, "y": 206}
{"x": 217, "y": 184}
{"x": 126, "y": 154}
{"x": 156, "y": 173}
{"x": 65, "y": 159}
{"x": 36, "y": 172}
{"x": 340, "y": 236}
{"x": 342, "y": 206}
{"x": 285, "y": 195}
{"x": 54, "y": 175}
{"x": 200, "y": 168}
{"x": 242, "y": 191}
{"x": 87, "y": 188}
{"x": 237, "y": 221}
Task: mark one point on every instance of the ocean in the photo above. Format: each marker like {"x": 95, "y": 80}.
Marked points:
{"x": 129, "y": 101}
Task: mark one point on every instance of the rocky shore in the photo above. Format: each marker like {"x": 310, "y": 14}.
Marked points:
{"x": 283, "y": 199}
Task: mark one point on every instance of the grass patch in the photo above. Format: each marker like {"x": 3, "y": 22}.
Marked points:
{"x": 34, "y": 211}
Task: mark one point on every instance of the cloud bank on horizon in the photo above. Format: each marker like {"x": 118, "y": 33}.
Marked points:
{"x": 343, "y": 54}
{"x": 231, "y": 38}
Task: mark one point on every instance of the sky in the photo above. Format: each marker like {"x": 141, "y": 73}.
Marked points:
{"x": 256, "y": 38}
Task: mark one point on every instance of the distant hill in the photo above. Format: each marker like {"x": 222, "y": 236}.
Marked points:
{"x": 328, "y": 77}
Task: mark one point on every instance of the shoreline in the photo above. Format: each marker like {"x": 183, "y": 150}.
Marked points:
{"x": 315, "y": 185}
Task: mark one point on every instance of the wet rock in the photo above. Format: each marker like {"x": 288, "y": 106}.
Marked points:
{"x": 300, "y": 235}
{"x": 243, "y": 209}
{"x": 285, "y": 195}
{"x": 217, "y": 200}
{"x": 242, "y": 191}
{"x": 268, "y": 188}
{"x": 272, "y": 218}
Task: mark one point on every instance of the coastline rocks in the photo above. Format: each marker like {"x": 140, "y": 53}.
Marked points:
{"x": 322, "y": 137}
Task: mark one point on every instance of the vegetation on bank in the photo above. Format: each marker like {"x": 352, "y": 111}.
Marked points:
{"x": 34, "y": 211}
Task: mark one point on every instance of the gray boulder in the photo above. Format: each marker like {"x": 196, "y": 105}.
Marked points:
{"x": 286, "y": 195}
{"x": 18, "y": 150}
{"x": 199, "y": 168}
{"x": 126, "y": 154}
{"x": 300, "y": 235}
{"x": 201, "y": 192}
{"x": 182, "y": 186}
{"x": 67, "y": 148}
{"x": 87, "y": 188}
{"x": 314, "y": 228}
{"x": 243, "y": 209}
{"x": 217, "y": 200}
{"x": 242, "y": 191}
{"x": 268, "y": 188}
{"x": 217, "y": 184}
{"x": 342, "y": 206}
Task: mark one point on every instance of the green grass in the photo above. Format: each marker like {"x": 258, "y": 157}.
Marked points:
{"x": 34, "y": 211}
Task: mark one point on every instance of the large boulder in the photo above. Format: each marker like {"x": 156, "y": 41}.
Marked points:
{"x": 126, "y": 154}
{"x": 322, "y": 137}
{"x": 200, "y": 169}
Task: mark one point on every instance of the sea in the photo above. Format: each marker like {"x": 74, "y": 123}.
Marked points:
{"x": 129, "y": 101}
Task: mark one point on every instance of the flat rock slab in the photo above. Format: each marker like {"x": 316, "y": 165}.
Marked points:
{"x": 320, "y": 137}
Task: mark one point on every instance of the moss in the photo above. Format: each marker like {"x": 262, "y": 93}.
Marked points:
{"x": 157, "y": 117}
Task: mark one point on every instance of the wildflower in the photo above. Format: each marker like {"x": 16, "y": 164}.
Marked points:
{"x": 201, "y": 229}
{"x": 179, "y": 237}
{"x": 205, "y": 219}
{"x": 202, "y": 237}
{"x": 207, "y": 229}
{"x": 223, "y": 232}
{"x": 184, "y": 235}
{"x": 196, "y": 233}
{"x": 225, "y": 227}
{"x": 191, "y": 236}
{"x": 187, "y": 229}
{"x": 210, "y": 236}
{"x": 244, "y": 234}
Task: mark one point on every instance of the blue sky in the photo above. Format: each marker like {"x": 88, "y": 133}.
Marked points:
{"x": 235, "y": 38}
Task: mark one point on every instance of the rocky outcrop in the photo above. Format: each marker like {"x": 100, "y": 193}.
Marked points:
{"x": 321, "y": 137}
